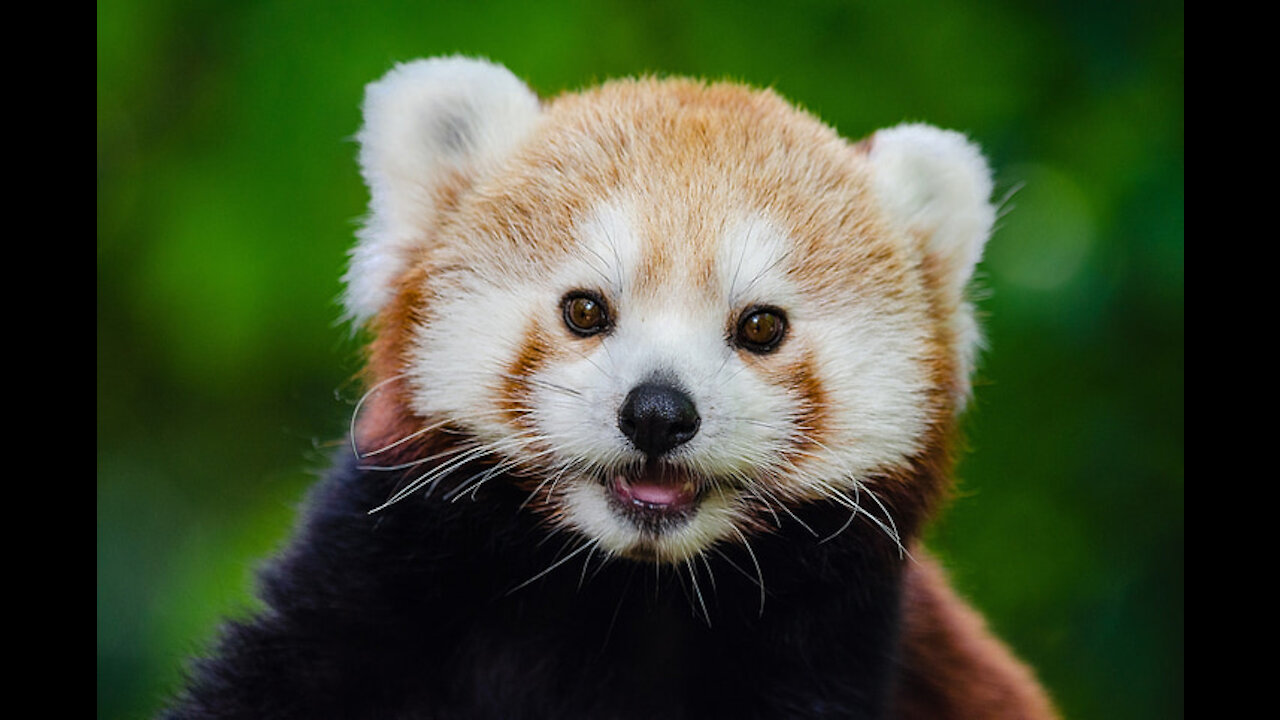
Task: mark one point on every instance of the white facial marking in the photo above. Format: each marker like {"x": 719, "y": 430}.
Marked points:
{"x": 751, "y": 263}
{"x": 608, "y": 253}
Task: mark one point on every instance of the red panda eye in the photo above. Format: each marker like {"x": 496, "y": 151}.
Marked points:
{"x": 585, "y": 313}
{"x": 761, "y": 329}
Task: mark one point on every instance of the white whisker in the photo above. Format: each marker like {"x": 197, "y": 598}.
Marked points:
{"x": 754, "y": 561}
{"x": 413, "y": 463}
{"x": 555, "y": 565}
{"x": 355, "y": 412}
{"x": 693, "y": 577}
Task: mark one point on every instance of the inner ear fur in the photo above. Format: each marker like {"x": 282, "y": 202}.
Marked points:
{"x": 429, "y": 125}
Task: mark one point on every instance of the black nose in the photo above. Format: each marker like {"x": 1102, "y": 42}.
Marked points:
{"x": 657, "y": 417}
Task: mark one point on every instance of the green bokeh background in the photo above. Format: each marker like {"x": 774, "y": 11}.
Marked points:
{"x": 228, "y": 194}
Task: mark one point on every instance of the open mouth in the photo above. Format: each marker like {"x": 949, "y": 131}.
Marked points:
{"x": 656, "y": 493}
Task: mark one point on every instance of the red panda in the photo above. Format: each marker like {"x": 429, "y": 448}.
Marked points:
{"x": 663, "y": 383}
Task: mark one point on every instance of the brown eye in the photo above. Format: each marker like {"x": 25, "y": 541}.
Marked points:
{"x": 585, "y": 313}
{"x": 761, "y": 329}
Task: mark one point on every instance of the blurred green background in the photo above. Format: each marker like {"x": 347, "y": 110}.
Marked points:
{"x": 228, "y": 194}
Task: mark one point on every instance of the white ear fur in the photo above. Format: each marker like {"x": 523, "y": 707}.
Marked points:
{"x": 936, "y": 185}
{"x": 425, "y": 122}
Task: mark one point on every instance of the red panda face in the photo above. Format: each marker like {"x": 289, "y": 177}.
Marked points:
{"x": 671, "y": 312}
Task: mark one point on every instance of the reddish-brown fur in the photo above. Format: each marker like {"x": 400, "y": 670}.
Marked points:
{"x": 514, "y": 395}
{"x": 953, "y": 668}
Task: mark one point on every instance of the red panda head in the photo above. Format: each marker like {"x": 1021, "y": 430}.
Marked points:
{"x": 673, "y": 311}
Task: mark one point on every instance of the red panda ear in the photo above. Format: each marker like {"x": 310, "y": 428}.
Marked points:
{"x": 936, "y": 186}
{"x": 428, "y": 124}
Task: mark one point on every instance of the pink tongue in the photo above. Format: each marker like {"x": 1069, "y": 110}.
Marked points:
{"x": 650, "y": 492}
{"x": 655, "y": 494}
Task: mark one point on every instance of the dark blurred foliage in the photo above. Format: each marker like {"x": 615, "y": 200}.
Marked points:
{"x": 228, "y": 194}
